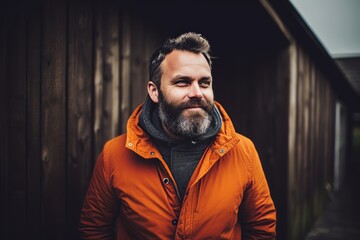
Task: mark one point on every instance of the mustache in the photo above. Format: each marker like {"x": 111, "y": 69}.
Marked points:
{"x": 196, "y": 103}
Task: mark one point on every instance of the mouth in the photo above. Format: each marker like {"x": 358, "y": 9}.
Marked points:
{"x": 194, "y": 108}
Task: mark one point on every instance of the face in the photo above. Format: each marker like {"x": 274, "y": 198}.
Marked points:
{"x": 186, "y": 96}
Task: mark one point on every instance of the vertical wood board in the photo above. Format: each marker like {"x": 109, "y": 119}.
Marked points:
{"x": 79, "y": 109}
{"x": 16, "y": 77}
{"x": 33, "y": 127}
{"x": 53, "y": 118}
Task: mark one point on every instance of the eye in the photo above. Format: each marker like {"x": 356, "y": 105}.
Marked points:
{"x": 205, "y": 83}
{"x": 181, "y": 83}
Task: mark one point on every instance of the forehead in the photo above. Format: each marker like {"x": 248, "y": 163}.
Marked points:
{"x": 182, "y": 62}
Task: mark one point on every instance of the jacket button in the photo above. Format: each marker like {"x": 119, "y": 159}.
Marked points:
{"x": 222, "y": 150}
{"x": 152, "y": 153}
{"x": 174, "y": 222}
{"x": 166, "y": 181}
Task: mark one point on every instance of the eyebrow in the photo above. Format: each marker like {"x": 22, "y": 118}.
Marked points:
{"x": 177, "y": 77}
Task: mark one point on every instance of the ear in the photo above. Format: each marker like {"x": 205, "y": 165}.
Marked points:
{"x": 153, "y": 91}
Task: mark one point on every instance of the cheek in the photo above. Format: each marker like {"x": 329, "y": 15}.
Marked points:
{"x": 209, "y": 96}
{"x": 174, "y": 95}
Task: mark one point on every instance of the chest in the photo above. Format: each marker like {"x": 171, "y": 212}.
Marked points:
{"x": 150, "y": 207}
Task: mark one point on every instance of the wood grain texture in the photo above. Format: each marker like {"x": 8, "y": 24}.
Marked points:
{"x": 125, "y": 58}
{"x": 107, "y": 74}
{"x": 34, "y": 126}
{"x": 311, "y": 157}
{"x": 74, "y": 72}
{"x": 138, "y": 63}
{"x": 79, "y": 109}
{"x": 16, "y": 77}
{"x": 53, "y": 119}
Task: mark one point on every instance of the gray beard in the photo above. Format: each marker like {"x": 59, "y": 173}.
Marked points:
{"x": 185, "y": 127}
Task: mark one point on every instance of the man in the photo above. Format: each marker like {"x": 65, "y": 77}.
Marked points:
{"x": 181, "y": 171}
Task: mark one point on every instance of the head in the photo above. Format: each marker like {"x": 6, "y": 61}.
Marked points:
{"x": 191, "y": 42}
{"x": 181, "y": 83}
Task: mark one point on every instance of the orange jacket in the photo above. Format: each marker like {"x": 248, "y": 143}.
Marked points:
{"x": 132, "y": 191}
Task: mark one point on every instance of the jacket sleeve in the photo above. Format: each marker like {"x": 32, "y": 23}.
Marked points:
{"x": 257, "y": 213}
{"x": 100, "y": 206}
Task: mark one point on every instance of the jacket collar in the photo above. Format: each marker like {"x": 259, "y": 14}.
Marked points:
{"x": 139, "y": 141}
{"x": 149, "y": 121}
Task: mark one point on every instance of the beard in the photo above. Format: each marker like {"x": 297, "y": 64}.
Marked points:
{"x": 186, "y": 127}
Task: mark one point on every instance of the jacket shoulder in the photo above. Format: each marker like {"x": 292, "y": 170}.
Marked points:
{"x": 247, "y": 150}
{"x": 114, "y": 147}
{"x": 115, "y": 142}
{"x": 245, "y": 143}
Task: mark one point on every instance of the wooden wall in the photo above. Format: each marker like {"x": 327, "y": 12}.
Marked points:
{"x": 283, "y": 102}
{"x": 311, "y": 142}
{"x": 71, "y": 73}
{"x": 256, "y": 98}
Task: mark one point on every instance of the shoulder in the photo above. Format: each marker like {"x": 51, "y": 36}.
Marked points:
{"x": 115, "y": 144}
{"x": 114, "y": 148}
{"x": 245, "y": 144}
{"x": 244, "y": 152}
{"x": 116, "y": 152}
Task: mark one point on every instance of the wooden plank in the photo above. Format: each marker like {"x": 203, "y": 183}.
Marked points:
{"x": 263, "y": 124}
{"x": 33, "y": 126}
{"x": 298, "y": 148}
{"x": 4, "y": 126}
{"x": 280, "y": 195}
{"x": 306, "y": 168}
{"x": 327, "y": 135}
{"x": 53, "y": 134}
{"x": 111, "y": 64}
{"x": 323, "y": 129}
{"x": 79, "y": 110}
{"x": 311, "y": 144}
{"x": 125, "y": 94}
{"x": 107, "y": 72}
{"x": 317, "y": 163}
{"x": 292, "y": 131}
{"x": 279, "y": 22}
{"x": 16, "y": 77}
{"x": 99, "y": 132}
{"x": 138, "y": 72}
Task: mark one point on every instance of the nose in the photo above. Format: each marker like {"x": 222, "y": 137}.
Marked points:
{"x": 195, "y": 91}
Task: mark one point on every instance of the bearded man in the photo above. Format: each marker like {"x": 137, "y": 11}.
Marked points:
{"x": 181, "y": 171}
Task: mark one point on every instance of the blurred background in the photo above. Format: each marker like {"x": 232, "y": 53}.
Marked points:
{"x": 72, "y": 72}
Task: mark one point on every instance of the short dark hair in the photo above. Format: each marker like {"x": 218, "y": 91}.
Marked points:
{"x": 192, "y": 42}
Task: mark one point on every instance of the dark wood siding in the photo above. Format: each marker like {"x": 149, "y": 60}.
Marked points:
{"x": 16, "y": 189}
{"x": 53, "y": 121}
{"x": 79, "y": 158}
{"x": 72, "y": 73}
{"x": 256, "y": 98}
{"x": 311, "y": 143}
{"x": 34, "y": 173}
